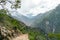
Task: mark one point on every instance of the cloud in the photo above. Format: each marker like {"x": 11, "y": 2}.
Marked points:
{"x": 34, "y": 7}
{"x": 37, "y": 6}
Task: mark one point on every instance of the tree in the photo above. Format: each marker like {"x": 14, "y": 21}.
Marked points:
{"x": 14, "y": 4}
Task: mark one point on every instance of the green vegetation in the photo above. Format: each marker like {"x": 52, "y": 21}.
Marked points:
{"x": 34, "y": 33}
{"x": 54, "y": 36}
{"x": 10, "y": 23}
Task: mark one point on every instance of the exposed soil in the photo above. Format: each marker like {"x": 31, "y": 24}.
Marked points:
{"x": 21, "y": 37}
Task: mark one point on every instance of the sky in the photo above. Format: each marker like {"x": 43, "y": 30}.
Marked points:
{"x": 31, "y": 8}
{"x": 35, "y": 7}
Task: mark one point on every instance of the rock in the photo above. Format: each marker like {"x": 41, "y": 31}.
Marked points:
{"x": 7, "y": 34}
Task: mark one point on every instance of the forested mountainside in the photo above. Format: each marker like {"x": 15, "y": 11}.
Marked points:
{"x": 10, "y": 28}
{"x": 52, "y": 18}
{"x": 49, "y": 23}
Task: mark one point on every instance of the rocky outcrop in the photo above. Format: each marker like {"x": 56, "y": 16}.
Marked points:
{"x": 6, "y": 34}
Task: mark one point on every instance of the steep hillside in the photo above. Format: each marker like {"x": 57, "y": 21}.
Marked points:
{"x": 50, "y": 23}
{"x": 10, "y": 27}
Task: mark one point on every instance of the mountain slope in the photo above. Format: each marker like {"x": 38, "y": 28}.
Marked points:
{"x": 10, "y": 27}
{"x": 49, "y": 21}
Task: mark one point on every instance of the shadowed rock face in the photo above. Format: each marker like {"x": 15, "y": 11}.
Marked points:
{"x": 49, "y": 22}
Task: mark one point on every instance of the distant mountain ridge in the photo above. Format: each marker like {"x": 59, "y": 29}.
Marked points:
{"x": 53, "y": 18}
{"x": 41, "y": 19}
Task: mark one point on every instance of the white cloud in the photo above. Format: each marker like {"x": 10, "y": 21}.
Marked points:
{"x": 36, "y": 2}
{"x": 37, "y": 6}
{"x": 34, "y": 7}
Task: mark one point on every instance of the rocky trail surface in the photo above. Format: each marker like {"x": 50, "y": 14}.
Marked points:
{"x": 21, "y": 37}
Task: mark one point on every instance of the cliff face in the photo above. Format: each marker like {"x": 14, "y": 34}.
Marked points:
{"x": 49, "y": 22}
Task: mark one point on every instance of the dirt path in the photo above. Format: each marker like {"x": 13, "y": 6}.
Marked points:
{"x": 22, "y": 37}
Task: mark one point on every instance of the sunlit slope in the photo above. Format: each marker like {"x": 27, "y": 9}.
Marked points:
{"x": 8, "y": 24}
{"x": 8, "y": 21}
